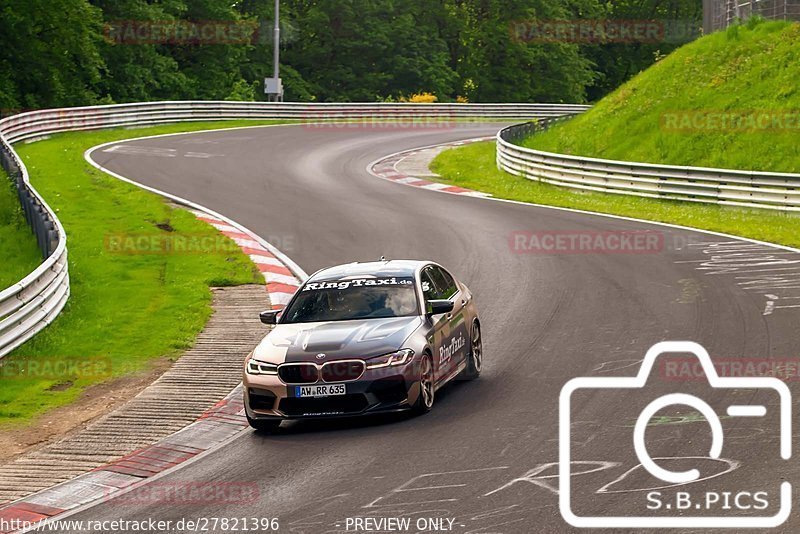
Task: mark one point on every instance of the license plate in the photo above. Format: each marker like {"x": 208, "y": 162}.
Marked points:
{"x": 322, "y": 390}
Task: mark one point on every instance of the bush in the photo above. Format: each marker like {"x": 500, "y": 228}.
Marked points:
{"x": 423, "y": 98}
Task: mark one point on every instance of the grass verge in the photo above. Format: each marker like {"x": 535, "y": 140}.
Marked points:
{"x": 728, "y": 100}
{"x": 473, "y": 167}
{"x": 17, "y": 243}
{"x": 127, "y": 310}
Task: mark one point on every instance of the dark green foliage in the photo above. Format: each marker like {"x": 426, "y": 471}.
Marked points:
{"x": 48, "y": 53}
{"x": 74, "y": 52}
{"x": 681, "y": 21}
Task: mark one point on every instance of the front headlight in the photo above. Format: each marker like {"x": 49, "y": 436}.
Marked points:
{"x": 255, "y": 367}
{"x": 400, "y": 357}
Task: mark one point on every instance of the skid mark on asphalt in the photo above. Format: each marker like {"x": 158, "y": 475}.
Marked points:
{"x": 770, "y": 271}
{"x": 217, "y": 141}
{"x": 135, "y": 150}
{"x": 460, "y": 482}
{"x": 691, "y": 291}
{"x": 157, "y": 152}
{"x": 448, "y": 494}
{"x": 727, "y": 465}
{"x": 616, "y": 365}
{"x": 502, "y": 512}
{"x": 535, "y": 476}
{"x": 668, "y": 420}
{"x": 784, "y": 304}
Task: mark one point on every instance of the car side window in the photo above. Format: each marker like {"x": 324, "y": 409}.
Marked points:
{"x": 445, "y": 283}
{"x": 428, "y": 287}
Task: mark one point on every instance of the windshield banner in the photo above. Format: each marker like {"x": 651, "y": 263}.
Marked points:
{"x": 358, "y": 282}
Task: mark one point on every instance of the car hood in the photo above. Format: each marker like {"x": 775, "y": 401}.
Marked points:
{"x": 338, "y": 340}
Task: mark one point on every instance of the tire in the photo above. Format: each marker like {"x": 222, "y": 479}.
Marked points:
{"x": 427, "y": 386}
{"x": 268, "y": 426}
{"x": 475, "y": 358}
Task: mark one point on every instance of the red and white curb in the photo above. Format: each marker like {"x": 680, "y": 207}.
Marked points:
{"x": 386, "y": 168}
{"x": 281, "y": 282}
{"x": 216, "y": 426}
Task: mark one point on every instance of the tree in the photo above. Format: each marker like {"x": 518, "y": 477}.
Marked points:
{"x": 497, "y": 66}
{"x": 139, "y": 68}
{"x": 48, "y": 53}
{"x": 76, "y": 52}
{"x": 680, "y": 21}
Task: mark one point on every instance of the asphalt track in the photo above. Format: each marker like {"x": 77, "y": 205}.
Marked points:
{"x": 485, "y": 457}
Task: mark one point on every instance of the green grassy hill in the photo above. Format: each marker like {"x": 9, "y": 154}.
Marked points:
{"x": 684, "y": 110}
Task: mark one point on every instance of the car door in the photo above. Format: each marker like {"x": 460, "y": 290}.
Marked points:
{"x": 441, "y": 323}
{"x": 457, "y": 348}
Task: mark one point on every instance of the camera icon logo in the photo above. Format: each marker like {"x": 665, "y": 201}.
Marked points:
{"x": 647, "y": 462}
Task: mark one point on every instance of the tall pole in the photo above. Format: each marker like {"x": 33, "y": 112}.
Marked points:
{"x": 273, "y": 86}
{"x": 277, "y": 41}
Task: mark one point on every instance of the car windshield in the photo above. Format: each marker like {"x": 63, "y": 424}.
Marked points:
{"x": 353, "y": 298}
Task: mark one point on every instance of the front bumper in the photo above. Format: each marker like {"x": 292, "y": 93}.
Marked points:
{"x": 377, "y": 391}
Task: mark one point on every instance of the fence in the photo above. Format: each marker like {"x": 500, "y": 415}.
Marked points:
{"x": 719, "y": 14}
{"x": 770, "y": 190}
{"x": 35, "y": 301}
{"x": 40, "y": 123}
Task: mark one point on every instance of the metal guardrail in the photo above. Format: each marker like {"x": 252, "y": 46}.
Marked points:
{"x": 39, "y": 123}
{"x": 34, "y": 302}
{"x": 769, "y": 190}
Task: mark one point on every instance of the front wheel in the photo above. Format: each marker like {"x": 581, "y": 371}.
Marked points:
{"x": 475, "y": 359}
{"x": 267, "y": 426}
{"x": 426, "y": 386}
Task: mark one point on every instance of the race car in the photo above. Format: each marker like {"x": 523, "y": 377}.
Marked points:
{"x": 363, "y": 338}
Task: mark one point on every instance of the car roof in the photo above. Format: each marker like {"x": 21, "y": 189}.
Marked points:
{"x": 406, "y": 268}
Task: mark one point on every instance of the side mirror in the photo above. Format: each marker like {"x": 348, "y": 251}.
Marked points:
{"x": 269, "y": 316}
{"x": 437, "y": 307}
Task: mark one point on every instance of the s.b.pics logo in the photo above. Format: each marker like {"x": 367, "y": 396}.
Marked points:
{"x": 708, "y": 456}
